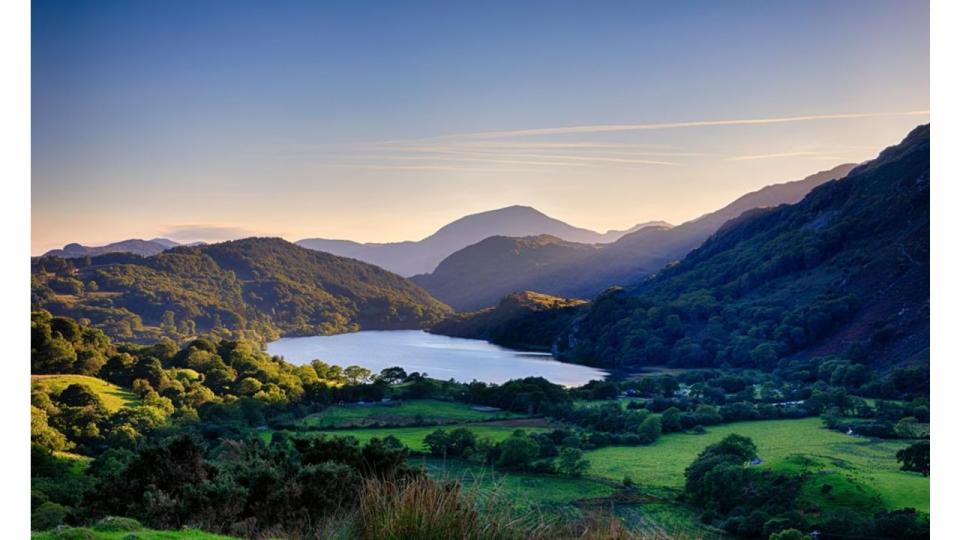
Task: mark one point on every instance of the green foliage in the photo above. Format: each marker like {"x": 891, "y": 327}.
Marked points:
{"x": 117, "y": 524}
{"x": 517, "y": 451}
{"x": 789, "y": 534}
{"x": 48, "y": 515}
{"x": 780, "y": 280}
{"x": 572, "y": 463}
{"x": 915, "y": 458}
{"x": 257, "y": 288}
{"x": 524, "y": 320}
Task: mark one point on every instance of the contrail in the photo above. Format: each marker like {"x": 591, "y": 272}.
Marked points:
{"x": 610, "y": 128}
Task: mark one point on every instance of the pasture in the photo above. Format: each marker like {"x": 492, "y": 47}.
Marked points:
{"x": 113, "y": 397}
{"x": 405, "y": 413}
{"x": 412, "y": 437}
{"x": 863, "y": 468}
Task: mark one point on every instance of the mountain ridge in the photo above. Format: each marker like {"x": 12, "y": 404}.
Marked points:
{"x": 258, "y": 287}
{"x": 844, "y": 273}
{"x": 493, "y": 269}
{"x": 410, "y": 258}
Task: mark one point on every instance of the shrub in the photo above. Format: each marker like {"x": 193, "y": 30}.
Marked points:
{"x": 117, "y": 524}
{"x": 789, "y": 534}
{"x": 48, "y": 515}
{"x": 74, "y": 533}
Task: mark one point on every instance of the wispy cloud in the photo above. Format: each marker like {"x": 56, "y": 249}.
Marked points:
{"x": 525, "y": 149}
{"x": 206, "y": 233}
{"x": 810, "y": 154}
{"x": 611, "y": 128}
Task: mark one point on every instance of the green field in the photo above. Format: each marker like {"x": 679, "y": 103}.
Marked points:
{"x": 142, "y": 534}
{"x": 114, "y": 397}
{"x": 558, "y": 497}
{"x": 859, "y": 469}
{"x": 413, "y": 437}
{"x": 407, "y": 413}
{"x": 525, "y": 490}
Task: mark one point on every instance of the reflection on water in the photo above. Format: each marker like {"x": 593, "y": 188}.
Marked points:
{"x": 440, "y": 357}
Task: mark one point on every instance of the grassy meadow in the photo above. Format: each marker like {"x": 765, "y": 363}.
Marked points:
{"x": 114, "y": 397}
{"x": 859, "y": 469}
{"x": 406, "y": 413}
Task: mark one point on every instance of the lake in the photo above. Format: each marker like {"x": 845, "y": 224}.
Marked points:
{"x": 440, "y": 357}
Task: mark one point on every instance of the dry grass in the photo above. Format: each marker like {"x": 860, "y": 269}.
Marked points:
{"x": 426, "y": 509}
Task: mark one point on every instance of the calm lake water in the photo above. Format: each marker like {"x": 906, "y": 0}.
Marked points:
{"x": 441, "y": 357}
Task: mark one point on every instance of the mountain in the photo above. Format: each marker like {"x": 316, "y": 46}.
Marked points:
{"x": 843, "y": 273}
{"x": 479, "y": 275}
{"x": 410, "y": 258}
{"x": 256, "y": 287}
{"x": 136, "y": 246}
{"x": 524, "y": 320}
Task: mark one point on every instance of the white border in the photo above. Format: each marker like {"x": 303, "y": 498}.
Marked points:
{"x": 14, "y": 269}
{"x": 945, "y": 371}
{"x": 14, "y": 272}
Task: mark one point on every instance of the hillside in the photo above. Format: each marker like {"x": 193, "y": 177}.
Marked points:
{"x": 844, "y": 272}
{"x": 410, "y": 258}
{"x": 144, "y": 248}
{"x": 259, "y": 287}
{"x": 112, "y": 396}
{"x": 524, "y": 320}
{"x": 479, "y": 275}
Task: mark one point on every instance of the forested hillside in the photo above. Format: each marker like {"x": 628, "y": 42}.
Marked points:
{"x": 479, "y": 275}
{"x": 524, "y": 320}
{"x": 258, "y": 288}
{"x": 845, "y": 272}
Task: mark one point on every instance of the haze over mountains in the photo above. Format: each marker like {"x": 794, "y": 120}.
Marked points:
{"x": 418, "y": 257}
{"x": 136, "y": 246}
{"x": 260, "y": 288}
{"x": 844, "y": 273}
{"x": 479, "y": 275}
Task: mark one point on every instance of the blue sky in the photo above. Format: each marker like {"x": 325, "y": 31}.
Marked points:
{"x": 382, "y": 121}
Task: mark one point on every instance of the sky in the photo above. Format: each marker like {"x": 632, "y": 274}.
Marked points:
{"x": 382, "y": 121}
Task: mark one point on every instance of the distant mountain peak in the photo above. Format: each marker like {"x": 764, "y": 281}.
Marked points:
{"x": 136, "y": 246}
{"x": 413, "y": 258}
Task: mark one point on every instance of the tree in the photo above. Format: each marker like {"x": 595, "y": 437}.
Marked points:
{"x": 392, "y": 375}
{"x": 79, "y": 395}
{"x": 248, "y": 386}
{"x": 649, "y": 430}
{"x": 908, "y": 428}
{"x": 437, "y": 441}
{"x": 169, "y": 323}
{"x": 789, "y": 534}
{"x": 42, "y": 434}
{"x": 670, "y": 420}
{"x": 461, "y": 441}
{"x": 357, "y": 374}
{"x": 916, "y": 458}
{"x": 571, "y": 462}
{"x": 517, "y": 451}
{"x": 717, "y": 475}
